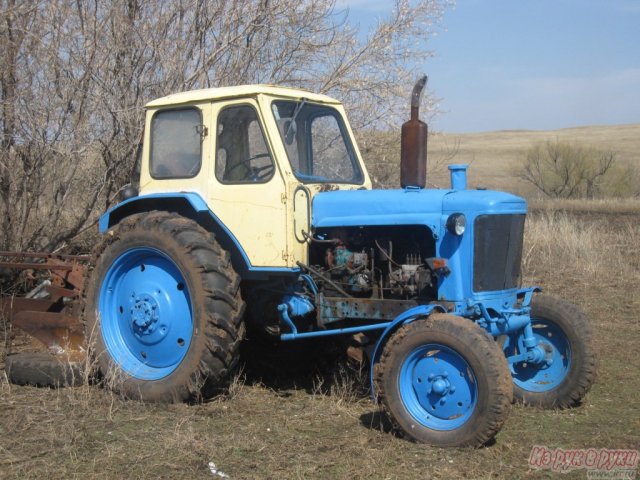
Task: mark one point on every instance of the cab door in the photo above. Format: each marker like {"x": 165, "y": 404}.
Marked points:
{"x": 246, "y": 190}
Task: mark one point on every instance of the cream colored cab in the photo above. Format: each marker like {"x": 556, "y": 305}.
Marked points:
{"x": 258, "y": 155}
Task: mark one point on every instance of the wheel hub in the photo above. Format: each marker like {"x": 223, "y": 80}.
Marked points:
{"x": 144, "y": 315}
{"x": 547, "y": 364}
{"x": 440, "y": 385}
{"x": 548, "y": 353}
{"x": 440, "y": 389}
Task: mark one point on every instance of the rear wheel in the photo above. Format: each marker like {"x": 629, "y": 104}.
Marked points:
{"x": 444, "y": 381}
{"x": 569, "y": 369}
{"x": 163, "y": 309}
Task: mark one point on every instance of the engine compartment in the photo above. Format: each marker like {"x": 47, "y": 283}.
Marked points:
{"x": 376, "y": 262}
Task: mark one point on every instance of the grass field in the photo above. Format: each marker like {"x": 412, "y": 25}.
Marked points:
{"x": 493, "y": 157}
{"x": 321, "y": 424}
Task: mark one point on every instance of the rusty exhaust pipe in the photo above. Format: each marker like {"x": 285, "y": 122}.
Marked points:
{"x": 413, "y": 146}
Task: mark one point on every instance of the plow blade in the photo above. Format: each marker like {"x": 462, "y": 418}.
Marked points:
{"x": 60, "y": 332}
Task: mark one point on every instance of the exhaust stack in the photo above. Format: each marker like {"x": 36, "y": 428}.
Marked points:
{"x": 413, "y": 146}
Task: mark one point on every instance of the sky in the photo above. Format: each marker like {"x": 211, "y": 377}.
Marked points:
{"x": 530, "y": 64}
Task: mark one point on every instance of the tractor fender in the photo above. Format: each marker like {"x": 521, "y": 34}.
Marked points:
{"x": 190, "y": 205}
{"x": 155, "y": 201}
{"x": 402, "y": 319}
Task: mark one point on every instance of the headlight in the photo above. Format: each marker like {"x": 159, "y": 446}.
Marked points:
{"x": 457, "y": 223}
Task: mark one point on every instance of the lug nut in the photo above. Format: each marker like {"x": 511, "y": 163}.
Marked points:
{"x": 439, "y": 386}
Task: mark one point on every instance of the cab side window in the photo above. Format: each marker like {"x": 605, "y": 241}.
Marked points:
{"x": 176, "y": 143}
{"x": 242, "y": 155}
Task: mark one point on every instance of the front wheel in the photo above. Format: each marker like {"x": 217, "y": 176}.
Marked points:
{"x": 569, "y": 369}
{"x": 163, "y": 309}
{"x": 443, "y": 381}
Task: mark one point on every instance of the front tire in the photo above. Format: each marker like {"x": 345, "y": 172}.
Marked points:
{"x": 565, "y": 333}
{"x": 163, "y": 311}
{"x": 444, "y": 381}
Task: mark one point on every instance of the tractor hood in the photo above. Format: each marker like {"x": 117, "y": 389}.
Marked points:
{"x": 350, "y": 208}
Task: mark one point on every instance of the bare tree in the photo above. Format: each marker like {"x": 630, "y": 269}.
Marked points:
{"x": 76, "y": 74}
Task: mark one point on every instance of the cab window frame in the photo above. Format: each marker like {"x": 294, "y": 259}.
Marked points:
{"x": 267, "y": 143}
{"x": 348, "y": 141}
{"x": 151, "y": 143}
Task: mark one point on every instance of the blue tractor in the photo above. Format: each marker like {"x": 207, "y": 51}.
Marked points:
{"x": 254, "y": 216}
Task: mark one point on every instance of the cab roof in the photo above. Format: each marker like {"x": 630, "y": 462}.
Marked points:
{"x": 240, "y": 91}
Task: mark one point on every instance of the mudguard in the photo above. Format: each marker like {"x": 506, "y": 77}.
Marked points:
{"x": 192, "y": 205}
{"x": 402, "y": 319}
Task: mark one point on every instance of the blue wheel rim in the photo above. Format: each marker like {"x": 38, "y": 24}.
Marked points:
{"x": 437, "y": 387}
{"x": 541, "y": 377}
{"x": 145, "y": 313}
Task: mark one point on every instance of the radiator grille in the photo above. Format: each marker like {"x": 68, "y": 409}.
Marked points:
{"x": 497, "y": 252}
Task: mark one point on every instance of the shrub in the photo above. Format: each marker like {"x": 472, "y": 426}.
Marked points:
{"x": 564, "y": 170}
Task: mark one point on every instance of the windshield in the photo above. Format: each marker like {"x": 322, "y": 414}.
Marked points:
{"x": 317, "y": 143}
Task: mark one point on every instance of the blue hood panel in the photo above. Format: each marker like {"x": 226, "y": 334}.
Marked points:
{"x": 349, "y": 208}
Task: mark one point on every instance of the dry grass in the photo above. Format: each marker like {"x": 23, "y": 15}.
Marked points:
{"x": 604, "y": 206}
{"x": 321, "y": 424}
{"x": 584, "y": 248}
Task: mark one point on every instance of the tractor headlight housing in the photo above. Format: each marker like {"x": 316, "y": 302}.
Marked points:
{"x": 457, "y": 223}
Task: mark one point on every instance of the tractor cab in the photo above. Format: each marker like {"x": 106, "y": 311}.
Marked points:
{"x": 257, "y": 155}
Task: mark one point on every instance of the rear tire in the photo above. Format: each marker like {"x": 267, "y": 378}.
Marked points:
{"x": 444, "y": 381}
{"x": 163, "y": 311}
